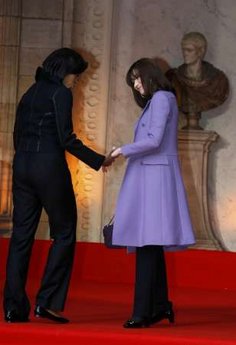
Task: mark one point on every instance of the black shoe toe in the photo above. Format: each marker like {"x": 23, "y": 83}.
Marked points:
{"x": 131, "y": 323}
{"x": 44, "y": 313}
{"x": 12, "y": 316}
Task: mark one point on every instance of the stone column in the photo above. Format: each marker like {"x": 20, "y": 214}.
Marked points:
{"x": 10, "y": 24}
{"x": 92, "y": 37}
{"x": 194, "y": 147}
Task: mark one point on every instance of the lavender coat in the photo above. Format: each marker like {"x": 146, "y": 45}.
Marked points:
{"x": 152, "y": 207}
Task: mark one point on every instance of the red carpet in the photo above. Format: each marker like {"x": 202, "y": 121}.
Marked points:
{"x": 202, "y": 286}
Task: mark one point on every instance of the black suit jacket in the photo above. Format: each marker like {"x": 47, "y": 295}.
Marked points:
{"x": 44, "y": 122}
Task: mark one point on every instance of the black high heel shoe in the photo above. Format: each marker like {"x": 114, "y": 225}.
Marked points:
{"x": 12, "y": 316}
{"x": 132, "y": 323}
{"x": 162, "y": 315}
{"x": 47, "y": 314}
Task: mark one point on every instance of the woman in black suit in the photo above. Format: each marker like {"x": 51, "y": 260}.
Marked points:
{"x": 41, "y": 179}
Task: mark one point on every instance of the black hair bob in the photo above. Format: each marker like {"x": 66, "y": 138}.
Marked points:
{"x": 152, "y": 77}
{"x": 62, "y": 62}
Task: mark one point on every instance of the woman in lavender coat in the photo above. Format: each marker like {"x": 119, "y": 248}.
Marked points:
{"x": 152, "y": 212}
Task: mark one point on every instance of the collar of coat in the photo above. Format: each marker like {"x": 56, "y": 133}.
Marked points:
{"x": 41, "y": 74}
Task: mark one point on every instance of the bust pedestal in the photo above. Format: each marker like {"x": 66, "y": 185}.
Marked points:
{"x": 194, "y": 147}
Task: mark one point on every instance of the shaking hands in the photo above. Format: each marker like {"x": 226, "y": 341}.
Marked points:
{"x": 110, "y": 158}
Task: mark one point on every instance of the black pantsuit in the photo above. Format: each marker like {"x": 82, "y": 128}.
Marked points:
{"x": 41, "y": 179}
{"x": 151, "y": 290}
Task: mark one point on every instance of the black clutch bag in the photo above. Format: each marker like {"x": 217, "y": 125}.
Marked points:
{"x": 107, "y": 234}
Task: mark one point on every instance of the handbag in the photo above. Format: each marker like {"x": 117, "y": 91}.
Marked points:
{"x": 107, "y": 235}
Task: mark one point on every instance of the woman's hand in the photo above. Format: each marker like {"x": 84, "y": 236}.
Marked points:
{"x": 116, "y": 152}
{"x": 110, "y": 158}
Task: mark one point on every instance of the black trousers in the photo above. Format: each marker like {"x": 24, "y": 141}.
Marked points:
{"x": 41, "y": 180}
{"x": 151, "y": 290}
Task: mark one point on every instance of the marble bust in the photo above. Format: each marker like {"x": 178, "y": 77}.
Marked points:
{"x": 198, "y": 84}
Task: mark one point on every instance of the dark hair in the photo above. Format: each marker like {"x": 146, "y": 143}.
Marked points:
{"x": 153, "y": 79}
{"x": 64, "y": 61}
